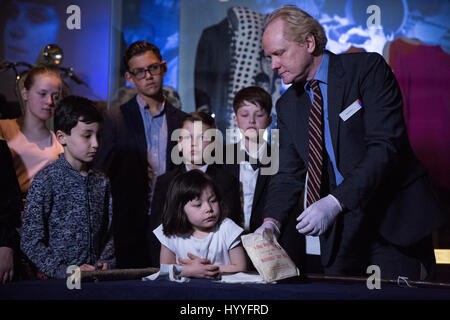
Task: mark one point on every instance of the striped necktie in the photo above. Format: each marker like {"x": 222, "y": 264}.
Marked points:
{"x": 315, "y": 158}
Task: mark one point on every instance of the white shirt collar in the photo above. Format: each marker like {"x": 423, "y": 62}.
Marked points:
{"x": 142, "y": 104}
{"x": 201, "y": 168}
{"x": 259, "y": 154}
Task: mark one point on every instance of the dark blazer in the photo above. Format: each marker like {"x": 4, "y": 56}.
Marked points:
{"x": 226, "y": 183}
{"x": 123, "y": 157}
{"x": 385, "y": 190}
{"x": 262, "y": 182}
{"x": 10, "y": 203}
{"x": 290, "y": 240}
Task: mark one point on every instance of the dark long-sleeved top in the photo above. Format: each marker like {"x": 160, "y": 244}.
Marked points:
{"x": 10, "y": 203}
{"x": 67, "y": 219}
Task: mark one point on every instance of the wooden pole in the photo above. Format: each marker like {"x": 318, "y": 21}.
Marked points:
{"x": 138, "y": 274}
{"x": 116, "y": 274}
{"x": 401, "y": 282}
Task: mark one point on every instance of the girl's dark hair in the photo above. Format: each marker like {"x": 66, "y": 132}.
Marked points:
{"x": 184, "y": 188}
{"x": 72, "y": 109}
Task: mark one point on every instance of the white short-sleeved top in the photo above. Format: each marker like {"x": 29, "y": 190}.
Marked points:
{"x": 214, "y": 247}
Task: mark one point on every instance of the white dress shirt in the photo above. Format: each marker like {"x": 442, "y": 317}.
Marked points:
{"x": 248, "y": 178}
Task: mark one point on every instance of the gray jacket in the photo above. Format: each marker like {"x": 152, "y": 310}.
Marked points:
{"x": 67, "y": 219}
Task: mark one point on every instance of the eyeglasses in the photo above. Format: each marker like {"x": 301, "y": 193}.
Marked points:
{"x": 154, "y": 70}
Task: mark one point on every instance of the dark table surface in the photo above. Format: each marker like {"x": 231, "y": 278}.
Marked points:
{"x": 202, "y": 289}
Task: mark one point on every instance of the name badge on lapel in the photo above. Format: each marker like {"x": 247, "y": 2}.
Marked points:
{"x": 351, "y": 110}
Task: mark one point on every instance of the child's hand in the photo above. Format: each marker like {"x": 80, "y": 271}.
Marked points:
{"x": 102, "y": 266}
{"x": 87, "y": 267}
{"x": 197, "y": 267}
{"x": 6, "y": 264}
{"x": 192, "y": 258}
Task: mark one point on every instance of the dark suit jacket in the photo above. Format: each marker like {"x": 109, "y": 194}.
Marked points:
{"x": 385, "y": 190}
{"x": 290, "y": 240}
{"x": 226, "y": 183}
{"x": 10, "y": 203}
{"x": 123, "y": 157}
{"x": 262, "y": 182}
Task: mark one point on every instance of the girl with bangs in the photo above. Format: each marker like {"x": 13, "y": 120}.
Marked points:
{"x": 195, "y": 232}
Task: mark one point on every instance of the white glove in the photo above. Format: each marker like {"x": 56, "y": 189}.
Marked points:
{"x": 319, "y": 216}
{"x": 269, "y": 225}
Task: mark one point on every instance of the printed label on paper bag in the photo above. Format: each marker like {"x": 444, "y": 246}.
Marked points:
{"x": 268, "y": 257}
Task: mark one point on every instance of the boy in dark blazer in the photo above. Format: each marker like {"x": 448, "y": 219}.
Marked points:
{"x": 192, "y": 144}
{"x": 252, "y": 159}
{"x": 136, "y": 149}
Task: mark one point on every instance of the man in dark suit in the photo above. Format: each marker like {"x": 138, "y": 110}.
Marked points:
{"x": 10, "y": 207}
{"x": 343, "y": 142}
{"x": 136, "y": 149}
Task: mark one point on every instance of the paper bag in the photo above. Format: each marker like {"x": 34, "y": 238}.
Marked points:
{"x": 268, "y": 257}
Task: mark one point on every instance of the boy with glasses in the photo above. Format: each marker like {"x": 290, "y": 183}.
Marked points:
{"x": 137, "y": 149}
